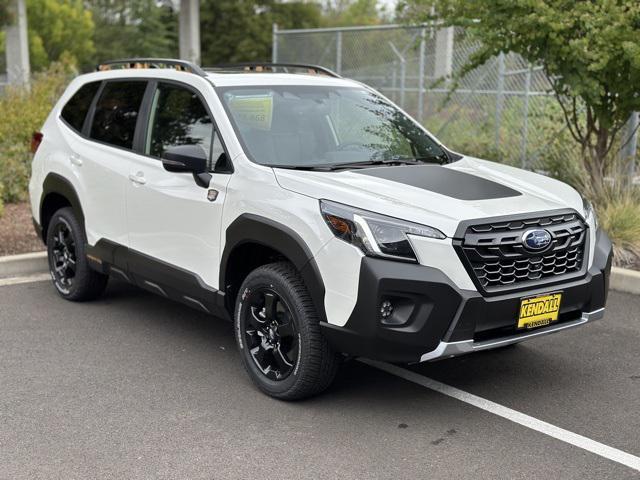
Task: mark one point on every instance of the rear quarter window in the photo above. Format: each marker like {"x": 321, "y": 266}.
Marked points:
{"x": 75, "y": 110}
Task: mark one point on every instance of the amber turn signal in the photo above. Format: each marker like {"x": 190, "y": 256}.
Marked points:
{"x": 340, "y": 226}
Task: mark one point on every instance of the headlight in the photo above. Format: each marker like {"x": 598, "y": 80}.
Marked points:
{"x": 376, "y": 235}
{"x": 589, "y": 212}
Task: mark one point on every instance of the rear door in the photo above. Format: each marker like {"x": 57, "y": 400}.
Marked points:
{"x": 102, "y": 161}
{"x": 171, "y": 220}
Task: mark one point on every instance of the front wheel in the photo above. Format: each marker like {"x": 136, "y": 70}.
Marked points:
{"x": 278, "y": 334}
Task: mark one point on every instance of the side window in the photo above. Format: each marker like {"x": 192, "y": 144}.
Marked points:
{"x": 75, "y": 110}
{"x": 178, "y": 117}
{"x": 114, "y": 121}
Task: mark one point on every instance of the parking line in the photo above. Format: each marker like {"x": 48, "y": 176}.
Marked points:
{"x": 523, "y": 419}
{"x": 520, "y": 418}
{"x": 40, "y": 277}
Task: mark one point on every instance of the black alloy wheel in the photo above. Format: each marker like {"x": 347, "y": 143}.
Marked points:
{"x": 63, "y": 256}
{"x": 270, "y": 334}
{"x": 279, "y": 336}
{"x": 71, "y": 273}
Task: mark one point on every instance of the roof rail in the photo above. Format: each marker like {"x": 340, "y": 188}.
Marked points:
{"x": 124, "y": 63}
{"x": 265, "y": 67}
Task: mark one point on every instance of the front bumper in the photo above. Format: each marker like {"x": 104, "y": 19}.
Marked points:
{"x": 454, "y": 349}
{"x": 433, "y": 319}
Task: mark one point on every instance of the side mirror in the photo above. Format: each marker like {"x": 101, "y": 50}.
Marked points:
{"x": 185, "y": 158}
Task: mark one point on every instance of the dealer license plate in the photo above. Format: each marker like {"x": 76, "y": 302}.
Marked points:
{"x": 539, "y": 311}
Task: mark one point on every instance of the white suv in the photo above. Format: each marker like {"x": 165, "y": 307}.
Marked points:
{"x": 310, "y": 210}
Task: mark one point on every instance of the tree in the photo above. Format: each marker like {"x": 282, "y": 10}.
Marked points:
{"x": 59, "y": 29}
{"x": 134, "y": 28}
{"x": 589, "y": 50}
{"x": 343, "y": 13}
{"x": 295, "y": 14}
{"x": 240, "y": 30}
{"x": 6, "y": 18}
{"x": 5, "y": 13}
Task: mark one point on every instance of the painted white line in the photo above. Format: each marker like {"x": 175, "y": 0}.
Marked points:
{"x": 28, "y": 279}
{"x": 558, "y": 433}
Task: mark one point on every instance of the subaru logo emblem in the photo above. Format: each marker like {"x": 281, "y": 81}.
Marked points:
{"x": 536, "y": 239}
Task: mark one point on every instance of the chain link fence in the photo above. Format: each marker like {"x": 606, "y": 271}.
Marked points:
{"x": 503, "y": 110}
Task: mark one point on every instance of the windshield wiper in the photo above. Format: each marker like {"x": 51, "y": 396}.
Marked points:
{"x": 320, "y": 168}
{"x": 328, "y": 167}
{"x": 374, "y": 163}
{"x": 438, "y": 160}
{"x": 342, "y": 166}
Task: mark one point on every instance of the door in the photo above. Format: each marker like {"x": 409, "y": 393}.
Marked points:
{"x": 172, "y": 220}
{"x": 101, "y": 162}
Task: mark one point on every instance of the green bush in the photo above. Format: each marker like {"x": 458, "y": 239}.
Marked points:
{"x": 23, "y": 112}
{"x": 15, "y": 168}
{"x": 466, "y": 134}
{"x": 621, "y": 218}
{"x": 469, "y": 127}
{"x": 566, "y": 168}
{"x": 618, "y": 209}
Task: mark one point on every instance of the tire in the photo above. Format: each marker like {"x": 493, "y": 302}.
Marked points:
{"x": 66, "y": 249}
{"x": 276, "y": 364}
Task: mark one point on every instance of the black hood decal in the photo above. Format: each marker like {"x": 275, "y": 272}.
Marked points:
{"x": 445, "y": 181}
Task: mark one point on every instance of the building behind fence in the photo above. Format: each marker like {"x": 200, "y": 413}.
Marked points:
{"x": 503, "y": 110}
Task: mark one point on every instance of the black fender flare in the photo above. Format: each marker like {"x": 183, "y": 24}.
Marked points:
{"x": 250, "y": 228}
{"x": 55, "y": 183}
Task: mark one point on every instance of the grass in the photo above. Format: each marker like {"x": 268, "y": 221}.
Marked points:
{"x": 618, "y": 211}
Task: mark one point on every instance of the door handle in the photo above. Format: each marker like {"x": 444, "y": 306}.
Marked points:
{"x": 75, "y": 159}
{"x": 138, "y": 178}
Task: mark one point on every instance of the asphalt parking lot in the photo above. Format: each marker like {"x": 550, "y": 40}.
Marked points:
{"x": 134, "y": 386}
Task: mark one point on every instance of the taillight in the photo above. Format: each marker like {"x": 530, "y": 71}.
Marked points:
{"x": 36, "y": 140}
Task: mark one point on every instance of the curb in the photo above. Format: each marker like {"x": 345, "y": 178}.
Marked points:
{"x": 625, "y": 280}
{"x": 24, "y": 264}
{"x": 622, "y": 279}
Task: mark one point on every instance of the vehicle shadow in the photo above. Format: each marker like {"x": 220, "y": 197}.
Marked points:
{"x": 518, "y": 368}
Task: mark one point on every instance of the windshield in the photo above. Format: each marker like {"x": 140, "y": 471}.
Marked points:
{"x": 313, "y": 126}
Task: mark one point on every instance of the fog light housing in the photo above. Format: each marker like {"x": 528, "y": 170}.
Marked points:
{"x": 395, "y": 311}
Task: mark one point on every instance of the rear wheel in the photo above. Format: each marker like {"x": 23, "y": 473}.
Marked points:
{"x": 66, "y": 249}
{"x": 278, "y": 334}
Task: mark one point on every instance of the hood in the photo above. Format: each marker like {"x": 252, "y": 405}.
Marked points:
{"x": 434, "y": 195}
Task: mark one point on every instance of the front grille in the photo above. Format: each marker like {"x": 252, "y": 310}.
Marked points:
{"x": 494, "y": 251}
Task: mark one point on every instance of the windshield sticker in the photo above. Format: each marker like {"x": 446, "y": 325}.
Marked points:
{"x": 254, "y": 111}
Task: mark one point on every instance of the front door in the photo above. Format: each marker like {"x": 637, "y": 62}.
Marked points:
{"x": 173, "y": 222}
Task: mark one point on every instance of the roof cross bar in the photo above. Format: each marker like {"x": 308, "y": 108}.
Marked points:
{"x": 133, "y": 63}
{"x": 266, "y": 67}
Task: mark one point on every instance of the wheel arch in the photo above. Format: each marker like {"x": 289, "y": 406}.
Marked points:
{"x": 58, "y": 192}
{"x": 252, "y": 241}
